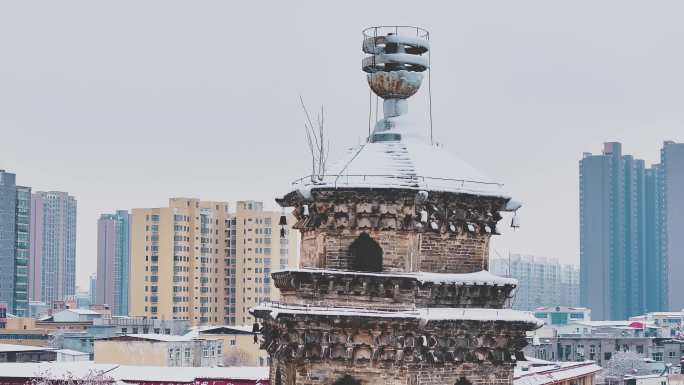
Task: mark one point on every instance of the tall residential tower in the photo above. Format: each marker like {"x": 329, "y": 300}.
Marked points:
{"x": 541, "y": 281}
{"x": 671, "y": 216}
{"x": 15, "y": 207}
{"x": 198, "y": 261}
{"x": 631, "y": 218}
{"x": 113, "y": 260}
{"x": 261, "y": 248}
{"x": 177, "y": 261}
{"x": 53, "y": 257}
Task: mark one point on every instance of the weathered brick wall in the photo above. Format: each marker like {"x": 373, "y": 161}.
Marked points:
{"x": 425, "y": 374}
{"x": 403, "y": 251}
{"x": 449, "y": 253}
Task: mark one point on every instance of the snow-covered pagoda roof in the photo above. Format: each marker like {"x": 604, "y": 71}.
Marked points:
{"x": 483, "y": 277}
{"x": 423, "y": 314}
{"x": 406, "y": 164}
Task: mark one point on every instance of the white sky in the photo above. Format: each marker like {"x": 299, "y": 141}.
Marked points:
{"x": 126, "y": 103}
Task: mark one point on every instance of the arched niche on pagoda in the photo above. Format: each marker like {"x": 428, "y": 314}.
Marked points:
{"x": 347, "y": 380}
{"x": 366, "y": 254}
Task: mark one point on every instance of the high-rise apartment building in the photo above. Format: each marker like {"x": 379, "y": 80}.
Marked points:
{"x": 541, "y": 281}
{"x": 14, "y": 244}
{"x": 113, "y": 261}
{"x": 630, "y": 218}
{"x": 612, "y": 233}
{"x": 177, "y": 261}
{"x": 198, "y": 261}
{"x": 262, "y": 246}
{"x": 671, "y": 227}
{"x": 53, "y": 257}
{"x": 92, "y": 288}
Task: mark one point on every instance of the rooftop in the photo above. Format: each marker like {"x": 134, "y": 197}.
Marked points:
{"x": 426, "y": 314}
{"x": 83, "y": 311}
{"x": 7, "y": 348}
{"x": 151, "y": 337}
{"x": 59, "y": 370}
{"x": 540, "y": 373}
{"x": 406, "y": 164}
{"x": 196, "y": 331}
{"x": 478, "y": 278}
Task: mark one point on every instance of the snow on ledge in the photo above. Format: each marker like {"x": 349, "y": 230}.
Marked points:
{"x": 425, "y": 314}
{"x": 478, "y": 278}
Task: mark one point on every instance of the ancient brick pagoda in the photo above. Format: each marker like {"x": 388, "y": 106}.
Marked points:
{"x": 393, "y": 286}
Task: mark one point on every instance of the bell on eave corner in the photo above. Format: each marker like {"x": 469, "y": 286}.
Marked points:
{"x": 515, "y": 222}
{"x": 283, "y": 220}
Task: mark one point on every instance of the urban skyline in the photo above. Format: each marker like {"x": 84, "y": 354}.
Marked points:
{"x": 556, "y": 94}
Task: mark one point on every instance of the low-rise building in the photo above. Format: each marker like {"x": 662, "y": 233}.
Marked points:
{"x": 647, "y": 379}
{"x": 540, "y": 372}
{"x": 68, "y": 355}
{"x": 240, "y": 344}
{"x": 562, "y": 315}
{"x": 34, "y": 337}
{"x": 669, "y": 324}
{"x": 159, "y": 350}
{"x": 24, "y": 353}
{"x": 76, "y": 315}
{"x": 74, "y": 372}
{"x": 597, "y": 341}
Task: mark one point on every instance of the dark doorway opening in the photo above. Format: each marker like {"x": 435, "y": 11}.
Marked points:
{"x": 366, "y": 254}
{"x": 347, "y": 380}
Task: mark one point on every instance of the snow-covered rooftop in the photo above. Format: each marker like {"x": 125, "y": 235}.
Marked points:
{"x": 156, "y": 337}
{"x": 71, "y": 352}
{"x": 59, "y": 370}
{"x": 478, "y": 278}
{"x": 552, "y": 372}
{"x": 83, "y": 311}
{"x": 21, "y": 348}
{"x": 427, "y": 314}
{"x": 195, "y": 331}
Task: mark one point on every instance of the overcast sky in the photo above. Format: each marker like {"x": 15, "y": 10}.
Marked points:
{"x": 126, "y": 103}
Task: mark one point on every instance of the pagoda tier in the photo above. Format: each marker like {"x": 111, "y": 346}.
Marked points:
{"x": 393, "y": 291}
{"x": 317, "y": 344}
{"x": 430, "y": 231}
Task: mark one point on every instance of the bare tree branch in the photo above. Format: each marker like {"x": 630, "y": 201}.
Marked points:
{"x": 319, "y": 145}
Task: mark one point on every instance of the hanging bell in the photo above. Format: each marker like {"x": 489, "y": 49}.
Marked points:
{"x": 515, "y": 222}
{"x": 423, "y": 216}
{"x": 282, "y": 232}
{"x": 283, "y": 220}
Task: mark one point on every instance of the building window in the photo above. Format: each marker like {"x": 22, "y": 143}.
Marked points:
{"x": 366, "y": 254}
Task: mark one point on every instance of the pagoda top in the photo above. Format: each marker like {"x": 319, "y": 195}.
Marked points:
{"x": 398, "y": 153}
